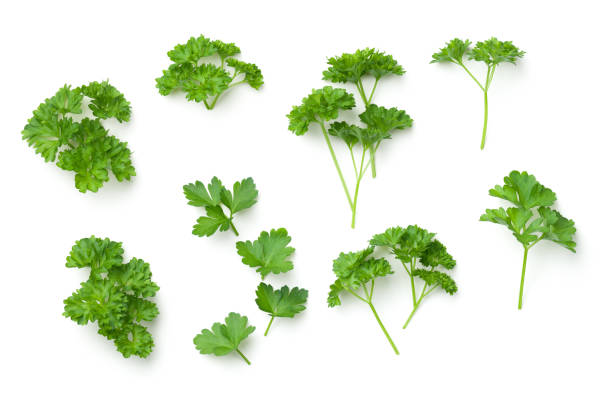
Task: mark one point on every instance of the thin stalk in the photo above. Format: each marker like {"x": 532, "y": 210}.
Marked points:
{"x": 473, "y": 77}
{"x": 269, "y": 324}
{"x": 362, "y": 92}
{"x": 416, "y": 305}
{"x": 383, "y": 328}
{"x": 354, "y": 206}
{"x": 486, "y": 119}
{"x": 243, "y": 357}
{"x": 233, "y": 226}
{"x": 372, "y": 93}
{"x": 520, "y": 303}
{"x": 333, "y": 155}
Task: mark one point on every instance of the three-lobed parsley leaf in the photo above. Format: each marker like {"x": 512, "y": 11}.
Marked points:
{"x": 492, "y": 52}
{"x": 268, "y": 253}
{"x": 355, "y": 272}
{"x": 84, "y": 146}
{"x": 116, "y": 295}
{"x": 324, "y": 105}
{"x": 420, "y": 254}
{"x": 206, "y": 82}
{"x": 243, "y": 195}
{"x": 282, "y": 302}
{"x": 531, "y": 219}
{"x": 222, "y": 339}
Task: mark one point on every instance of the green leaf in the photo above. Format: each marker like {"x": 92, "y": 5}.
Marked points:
{"x": 114, "y": 296}
{"x": 225, "y": 49}
{"x": 321, "y": 105}
{"x": 198, "y": 196}
{"x": 107, "y": 101}
{"x": 436, "y": 278}
{"x": 268, "y": 253}
{"x": 333, "y": 298}
{"x": 523, "y": 190}
{"x": 215, "y": 220}
{"x": 245, "y": 195}
{"x": 385, "y": 120}
{"x": 557, "y": 228}
{"x": 252, "y": 74}
{"x": 352, "y": 67}
{"x": 493, "y": 52}
{"x": 192, "y": 51}
{"x": 282, "y": 302}
{"x": 224, "y": 338}
{"x": 354, "y": 269}
{"x": 391, "y": 238}
{"x": 206, "y": 80}
{"x": 453, "y": 52}
{"x": 436, "y": 255}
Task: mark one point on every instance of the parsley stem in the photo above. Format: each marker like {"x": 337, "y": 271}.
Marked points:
{"x": 333, "y": 155}
{"x": 243, "y": 357}
{"x": 471, "y": 75}
{"x": 417, "y": 304}
{"x": 234, "y": 228}
{"x": 372, "y": 93}
{"x": 269, "y": 324}
{"x": 361, "y": 172}
{"x": 520, "y": 303}
{"x": 486, "y": 119}
{"x": 359, "y": 85}
{"x": 383, "y": 328}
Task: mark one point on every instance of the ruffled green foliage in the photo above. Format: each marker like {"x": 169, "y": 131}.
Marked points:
{"x": 116, "y": 295}
{"x": 268, "y": 253}
{"x": 531, "y": 219}
{"x": 377, "y": 122}
{"x": 355, "y": 274}
{"x": 422, "y": 256}
{"x": 243, "y": 196}
{"x": 492, "y": 52}
{"x": 283, "y": 302}
{"x": 206, "y": 82}
{"x": 82, "y": 146}
{"x": 222, "y": 339}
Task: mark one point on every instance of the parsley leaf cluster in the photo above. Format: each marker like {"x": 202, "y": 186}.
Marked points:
{"x": 206, "y": 82}
{"x": 492, "y": 52}
{"x": 421, "y": 255}
{"x": 377, "y": 122}
{"x": 222, "y": 339}
{"x": 243, "y": 196}
{"x": 269, "y": 254}
{"x": 116, "y": 295}
{"x": 83, "y": 146}
{"x": 531, "y": 218}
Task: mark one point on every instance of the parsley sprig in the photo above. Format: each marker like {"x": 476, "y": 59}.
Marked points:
{"x": 206, "y": 82}
{"x": 421, "y": 255}
{"x": 84, "y": 147}
{"x": 355, "y": 272}
{"x": 377, "y": 122}
{"x": 531, "y": 219}
{"x": 116, "y": 295}
{"x": 492, "y": 52}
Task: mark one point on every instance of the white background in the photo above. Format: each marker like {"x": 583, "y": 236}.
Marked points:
{"x": 548, "y": 115}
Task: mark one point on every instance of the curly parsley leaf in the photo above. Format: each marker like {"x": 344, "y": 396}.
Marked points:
{"x": 280, "y": 303}
{"x": 353, "y": 67}
{"x": 420, "y": 254}
{"x": 206, "y": 82}
{"x": 222, "y": 339}
{"x": 320, "y": 106}
{"x": 268, "y": 253}
{"x": 116, "y": 295}
{"x": 532, "y": 219}
{"x": 492, "y": 52}
{"x": 212, "y": 199}
{"x": 355, "y": 272}
{"x": 84, "y": 147}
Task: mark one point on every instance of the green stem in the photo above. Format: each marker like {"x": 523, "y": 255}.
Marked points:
{"x": 486, "y": 119}
{"x": 416, "y": 305}
{"x": 243, "y": 357}
{"x": 372, "y": 93}
{"x": 207, "y": 105}
{"x": 383, "y": 328}
{"x": 333, "y": 155}
{"x": 233, "y": 227}
{"x": 520, "y": 303}
{"x": 354, "y": 206}
{"x": 269, "y": 324}
{"x": 473, "y": 77}
{"x": 359, "y": 85}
